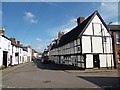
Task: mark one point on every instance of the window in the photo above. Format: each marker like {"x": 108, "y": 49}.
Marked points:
{"x": 8, "y": 45}
{"x": 118, "y": 37}
{"x": 104, "y": 39}
{"x": 57, "y": 41}
{"x": 20, "y": 58}
{"x": 118, "y": 57}
{"x": 20, "y": 50}
{"x": 72, "y": 44}
{"x": 75, "y": 42}
{"x": 78, "y": 48}
{"x": 78, "y": 41}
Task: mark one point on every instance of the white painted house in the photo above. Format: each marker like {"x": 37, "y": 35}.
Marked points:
{"x": 35, "y": 54}
{"x": 5, "y": 51}
{"x": 29, "y": 53}
{"x": 20, "y": 54}
{"x": 88, "y": 45}
{"x": 12, "y": 52}
{"x": 25, "y": 55}
{"x": 15, "y": 54}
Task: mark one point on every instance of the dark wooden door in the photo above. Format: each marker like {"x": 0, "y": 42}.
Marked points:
{"x": 5, "y": 58}
{"x": 96, "y": 61}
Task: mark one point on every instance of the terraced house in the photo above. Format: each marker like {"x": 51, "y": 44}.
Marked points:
{"x": 5, "y": 49}
{"x": 12, "y": 52}
{"x": 88, "y": 45}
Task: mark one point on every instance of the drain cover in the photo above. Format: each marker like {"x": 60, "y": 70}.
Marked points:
{"x": 47, "y": 81}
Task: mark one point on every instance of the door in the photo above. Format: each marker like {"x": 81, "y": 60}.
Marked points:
{"x": 5, "y": 58}
{"x": 10, "y": 60}
{"x": 17, "y": 58}
{"x": 96, "y": 61}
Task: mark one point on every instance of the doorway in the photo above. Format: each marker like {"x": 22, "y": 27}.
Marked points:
{"x": 5, "y": 58}
{"x": 17, "y": 58}
{"x": 96, "y": 61}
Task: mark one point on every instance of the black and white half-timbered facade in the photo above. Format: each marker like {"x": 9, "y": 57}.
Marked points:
{"x": 88, "y": 45}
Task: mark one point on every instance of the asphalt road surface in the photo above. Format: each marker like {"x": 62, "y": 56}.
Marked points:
{"x": 38, "y": 75}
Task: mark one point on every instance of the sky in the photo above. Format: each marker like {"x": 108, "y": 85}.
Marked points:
{"x": 37, "y": 23}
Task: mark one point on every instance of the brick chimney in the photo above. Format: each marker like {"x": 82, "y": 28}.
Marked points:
{"x": 29, "y": 46}
{"x": 18, "y": 43}
{"x": 80, "y": 20}
{"x": 60, "y": 34}
{"x": 13, "y": 40}
{"x": 2, "y": 31}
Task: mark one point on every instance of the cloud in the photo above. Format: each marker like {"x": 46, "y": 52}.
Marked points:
{"x": 43, "y": 40}
{"x": 109, "y": 11}
{"x": 39, "y": 39}
{"x": 28, "y": 16}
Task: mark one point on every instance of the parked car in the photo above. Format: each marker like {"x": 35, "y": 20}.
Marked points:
{"x": 33, "y": 58}
{"x": 45, "y": 60}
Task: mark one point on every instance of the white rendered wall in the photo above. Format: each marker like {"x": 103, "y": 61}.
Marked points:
{"x": 4, "y": 46}
{"x": 105, "y": 60}
{"x": 14, "y": 62}
{"x": 89, "y": 61}
{"x": 97, "y": 44}
{"x": 86, "y": 44}
{"x": 108, "y": 46}
{"x": 30, "y": 53}
{"x": 88, "y": 30}
{"x": 1, "y": 57}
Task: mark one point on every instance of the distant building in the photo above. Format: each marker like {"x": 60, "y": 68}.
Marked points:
{"x": 115, "y": 29}
{"x": 28, "y": 50}
{"x": 35, "y": 53}
{"x": 29, "y": 53}
{"x": 25, "y": 54}
{"x": 88, "y": 45}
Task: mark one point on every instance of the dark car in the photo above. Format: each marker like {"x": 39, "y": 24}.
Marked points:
{"x": 33, "y": 58}
{"x": 44, "y": 60}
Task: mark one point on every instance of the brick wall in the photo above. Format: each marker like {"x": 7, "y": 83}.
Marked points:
{"x": 118, "y": 52}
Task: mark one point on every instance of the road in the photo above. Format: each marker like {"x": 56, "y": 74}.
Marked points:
{"x": 37, "y": 75}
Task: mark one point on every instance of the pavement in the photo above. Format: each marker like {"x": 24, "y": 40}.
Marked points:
{"x": 10, "y": 69}
{"x": 91, "y": 71}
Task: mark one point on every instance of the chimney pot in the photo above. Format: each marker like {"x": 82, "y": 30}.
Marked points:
{"x": 29, "y": 46}
{"x": 18, "y": 43}
{"x": 13, "y": 40}
{"x": 2, "y": 31}
{"x": 80, "y": 20}
{"x": 60, "y": 34}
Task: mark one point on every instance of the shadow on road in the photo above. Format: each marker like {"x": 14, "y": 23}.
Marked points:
{"x": 107, "y": 83}
{"x": 53, "y": 66}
